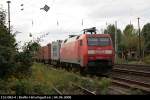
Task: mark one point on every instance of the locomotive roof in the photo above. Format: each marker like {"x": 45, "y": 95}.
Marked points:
{"x": 82, "y": 35}
{"x": 101, "y": 35}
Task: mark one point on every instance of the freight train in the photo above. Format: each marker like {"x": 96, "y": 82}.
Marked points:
{"x": 90, "y": 53}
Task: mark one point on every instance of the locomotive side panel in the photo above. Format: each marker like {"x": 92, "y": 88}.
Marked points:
{"x": 69, "y": 52}
{"x": 82, "y": 49}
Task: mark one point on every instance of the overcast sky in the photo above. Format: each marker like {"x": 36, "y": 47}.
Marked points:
{"x": 65, "y": 16}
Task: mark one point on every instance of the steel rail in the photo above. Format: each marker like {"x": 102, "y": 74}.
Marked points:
{"x": 132, "y": 84}
{"x": 84, "y": 89}
{"x": 125, "y": 70}
{"x": 57, "y": 91}
{"x": 138, "y": 65}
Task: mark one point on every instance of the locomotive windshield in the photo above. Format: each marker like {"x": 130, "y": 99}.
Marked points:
{"x": 98, "y": 41}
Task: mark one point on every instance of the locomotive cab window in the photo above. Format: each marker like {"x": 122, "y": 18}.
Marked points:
{"x": 99, "y": 41}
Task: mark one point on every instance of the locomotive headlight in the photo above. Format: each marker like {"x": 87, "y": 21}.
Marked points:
{"x": 108, "y": 51}
{"x": 91, "y": 51}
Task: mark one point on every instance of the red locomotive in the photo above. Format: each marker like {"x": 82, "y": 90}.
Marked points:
{"x": 92, "y": 53}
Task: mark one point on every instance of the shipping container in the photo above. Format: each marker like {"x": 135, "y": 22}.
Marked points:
{"x": 46, "y": 53}
{"x": 55, "y": 51}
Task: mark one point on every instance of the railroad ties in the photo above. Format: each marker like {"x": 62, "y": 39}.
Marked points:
{"x": 132, "y": 76}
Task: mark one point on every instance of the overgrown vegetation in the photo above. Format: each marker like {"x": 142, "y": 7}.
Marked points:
{"x": 7, "y": 48}
{"x": 13, "y": 62}
{"x": 128, "y": 43}
{"x": 43, "y": 80}
{"x": 25, "y": 59}
{"x": 147, "y": 59}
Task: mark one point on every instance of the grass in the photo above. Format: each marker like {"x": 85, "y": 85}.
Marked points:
{"x": 43, "y": 79}
{"x": 146, "y": 60}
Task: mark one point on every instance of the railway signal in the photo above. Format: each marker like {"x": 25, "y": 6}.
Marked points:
{"x": 46, "y": 8}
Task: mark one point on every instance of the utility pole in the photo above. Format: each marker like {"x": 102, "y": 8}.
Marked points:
{"x": 9, "y": 16}
{"x": 116, "y": 40}
{"x": 140, "y": 51}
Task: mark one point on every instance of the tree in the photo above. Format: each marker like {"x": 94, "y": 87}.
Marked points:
{"x": 146, "y": 35}
{"x": 2, "y": 17}
{"x": 130, "y": 40}
{"x": 25, "y": 58}
{"x": 12, "y": 61}
{"x": 111, "y": 30}
{"x": 7, "y": 48}
{"x": 129, "y": 30}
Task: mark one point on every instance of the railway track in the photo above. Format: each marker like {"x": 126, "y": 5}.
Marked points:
{"x": 133, "y": 77}
{"x": 133, "y": 67}
{"x": 131, "y": 84}
{"x": 57, "y": 91}
{"x": 132, "y": 71}
{"x": 117, "y": 90}
{"x": 125, "y": 78}
{"x": 137, "y": 65}
{"x": 85, "y": 91}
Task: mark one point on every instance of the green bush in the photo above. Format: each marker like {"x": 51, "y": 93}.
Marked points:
{"x": 23, "y": 87}
{"x": 43, "y": 80}
{"x": 31, "y": 87}
{"x": 7, "y": 48}
{"x": 40, "y": 89}
{"x": 147, "y": 59}
{"x": 104, "y": 84}
{"x": 24, "y": 60}
{"x": 4, "y": 89}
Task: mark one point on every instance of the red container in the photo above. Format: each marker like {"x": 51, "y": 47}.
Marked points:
{"x": 49, "y": 51}
{"x": 45, "y": 53}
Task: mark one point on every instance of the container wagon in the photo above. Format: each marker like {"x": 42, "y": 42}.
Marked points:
{"x": 55, "y": 52}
